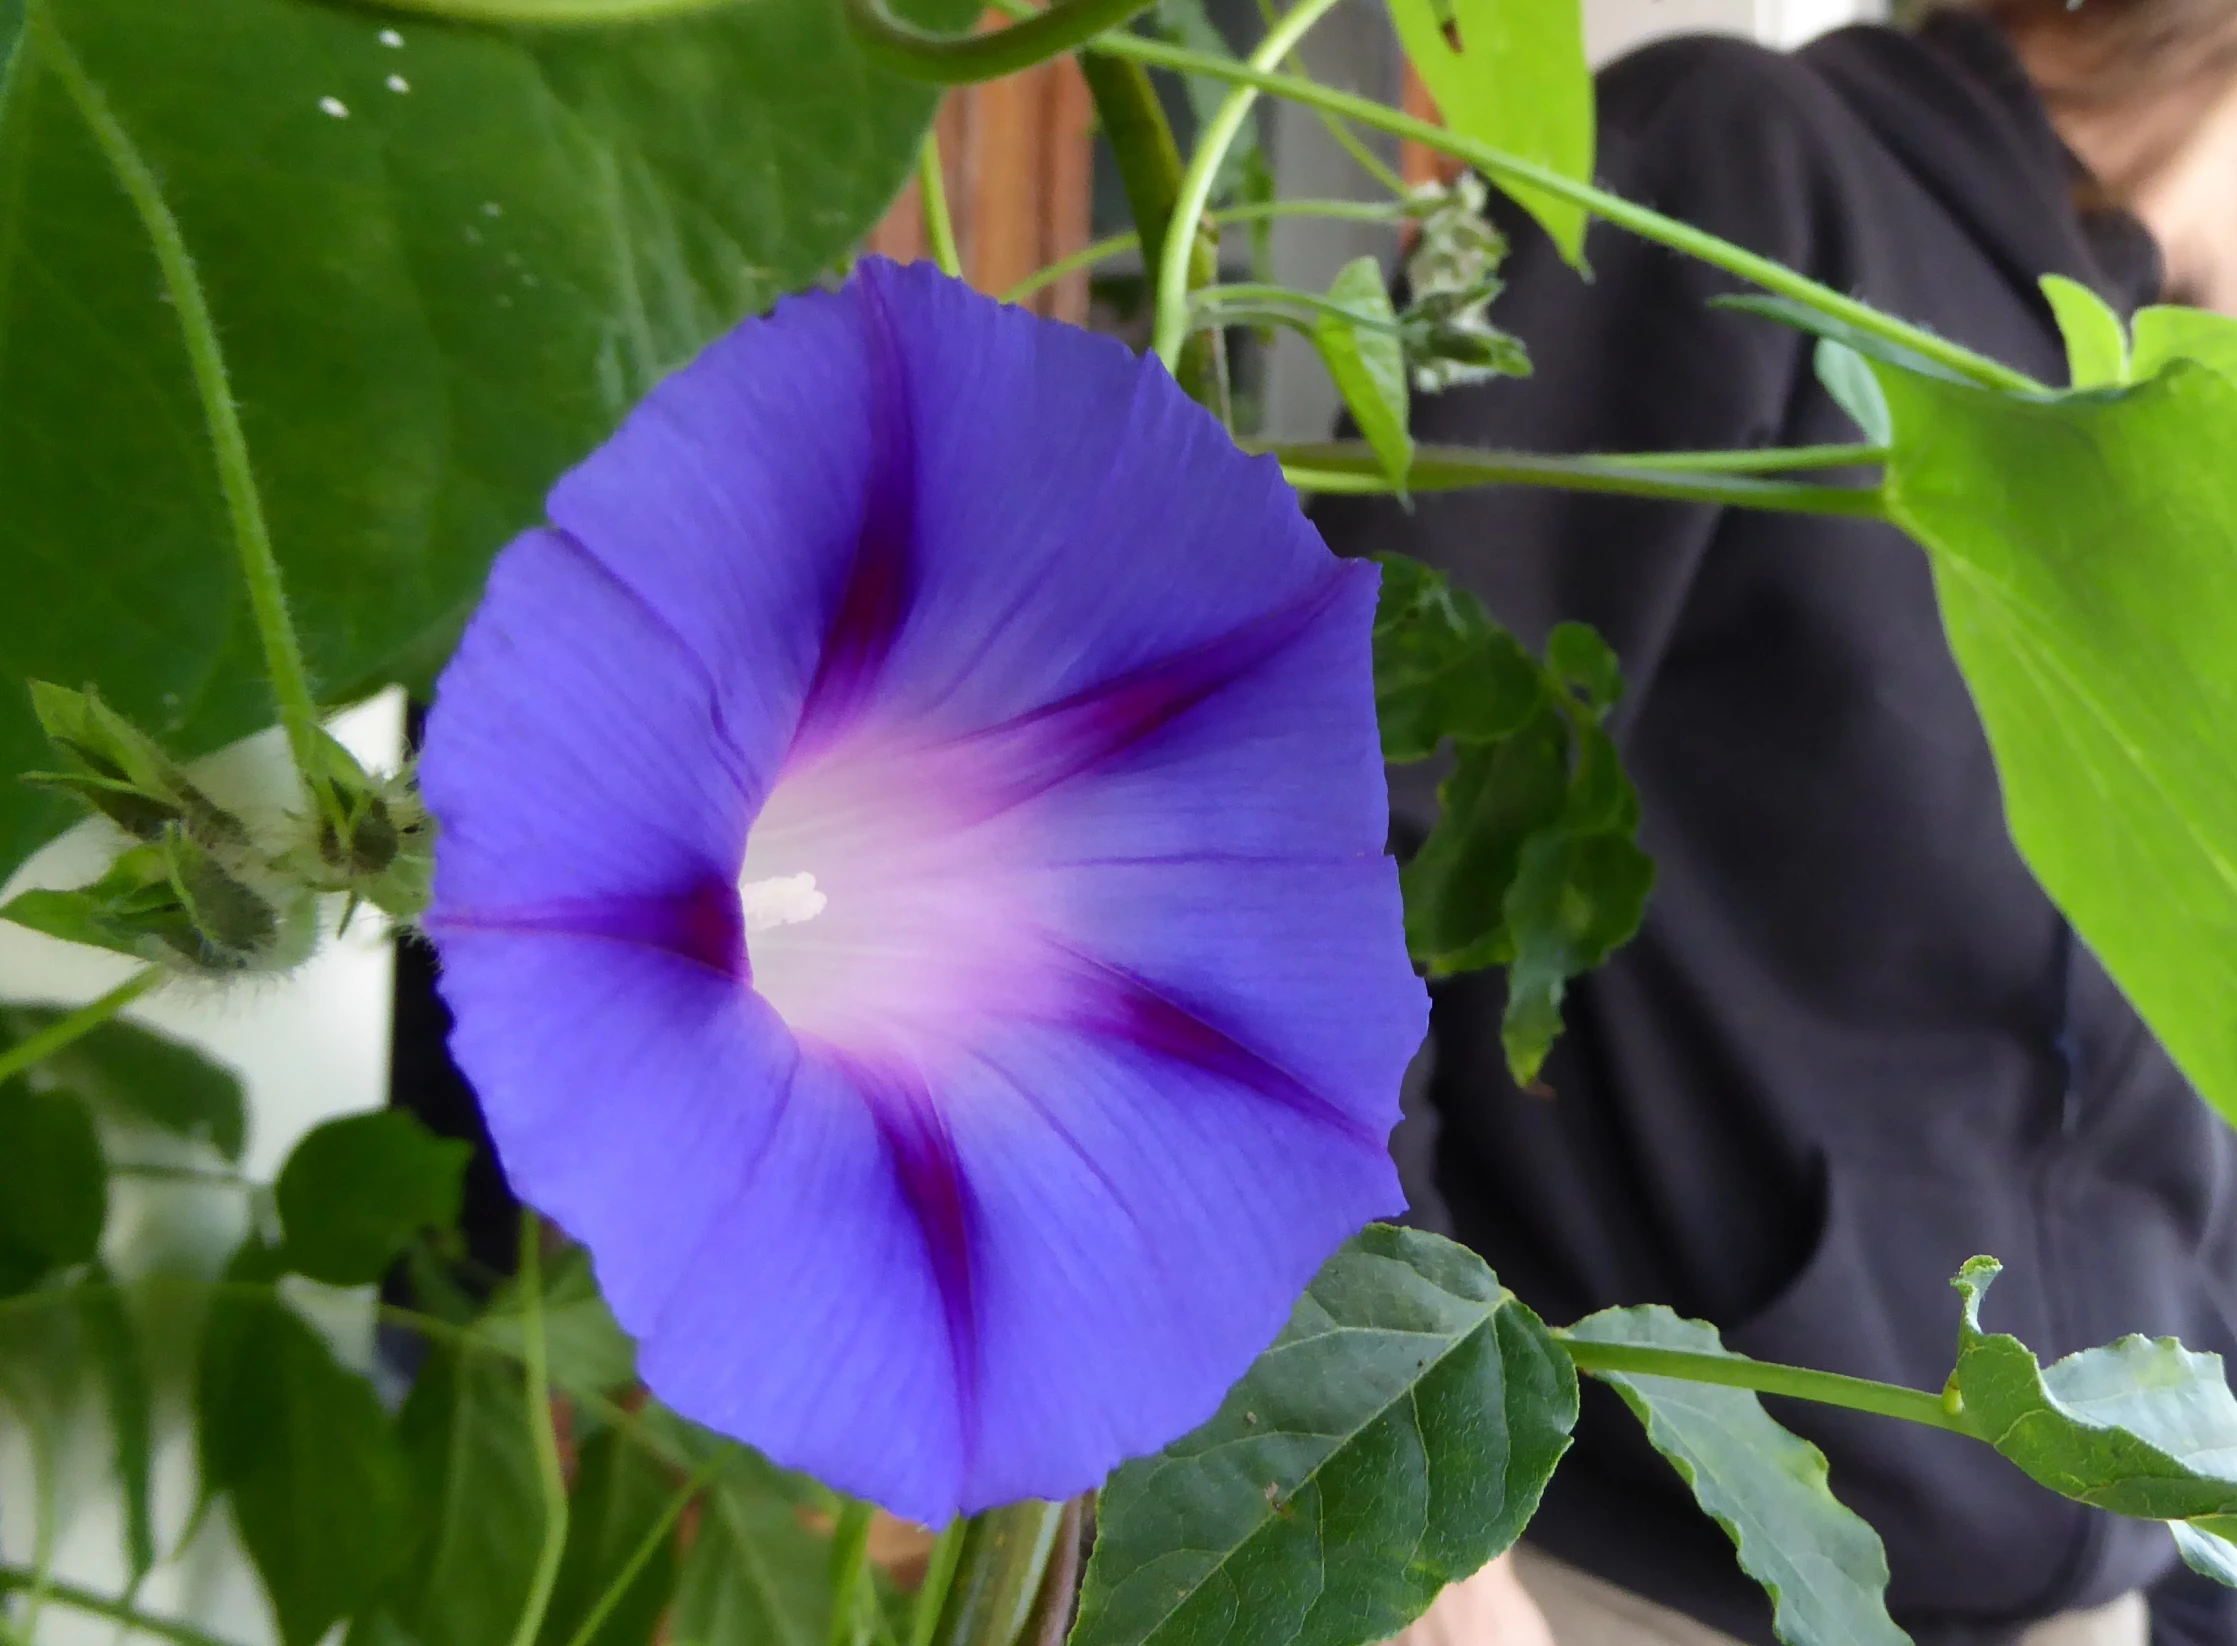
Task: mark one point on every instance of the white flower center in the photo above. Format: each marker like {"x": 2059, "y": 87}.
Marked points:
{"x": 781, "y": 900}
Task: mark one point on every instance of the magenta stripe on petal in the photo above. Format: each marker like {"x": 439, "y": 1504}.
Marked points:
{"x": 912, "y": 893}
{"x": 1111, "y": 1004}
{"x": 700, "y": 924}
{"x": 880, "y": 586}
{"x": 933, "y": 1183}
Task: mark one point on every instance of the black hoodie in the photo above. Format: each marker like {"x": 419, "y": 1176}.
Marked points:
{"x": 1854, "y": 1044}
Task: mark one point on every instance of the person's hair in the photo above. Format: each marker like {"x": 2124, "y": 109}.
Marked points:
{"x": 2114, "y": 56}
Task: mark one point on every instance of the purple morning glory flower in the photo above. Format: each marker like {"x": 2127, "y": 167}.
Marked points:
{"x": 913, "y": 898}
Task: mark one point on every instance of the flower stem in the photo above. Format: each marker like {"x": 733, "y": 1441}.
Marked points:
{"x": 850, "y": 1561}
{"x": 1731, "y": 1371}
{"x": 1639, "y": 220}
{"x": 960, "y": 59}
{"x": 1051, "y": 1614}
{"x": 939, "y": 1574}
{"x": 1349, "y": 468}
{"x": 1004, "y": 1555}
{"x": 116, "y": 1611}
{"x": 1171, "y": 329}
{"x": 252, "y": 537}
{"x": 647, "y": 1546}
{"x": 551, "y": 1478}
{"x": 35, "y": 1049}
{"x": 932, "y": 197}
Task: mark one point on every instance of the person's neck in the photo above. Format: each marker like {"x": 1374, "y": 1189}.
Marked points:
{"x": 2170, "y": 158}
{"x": 2191, "y": 205}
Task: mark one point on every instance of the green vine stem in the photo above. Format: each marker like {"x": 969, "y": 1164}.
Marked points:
{"x": 1112, "y": 245}
{"x": 1141, "y": 139}
{"x": 76, "y": 1599}
{"x": 1637, "y": 219}
{"x": 1854, "y": 1394}
{"x": 551, "y": 1476}
{"x": 32, "y": 1050}
{"x": 932, "y": 199}
{"x": 1258, "y": 298}
{"x": 960, "y": 59}
{"x": 260, "y": 567}
{"x": 1756, "y": 459}
{"x": 155, "y": 1171}
{"x": 1171, "y": 329}
{"x": 549, "y": 13}
{"x": 1349, "y": 468}
{"x": 1149, "y": 166}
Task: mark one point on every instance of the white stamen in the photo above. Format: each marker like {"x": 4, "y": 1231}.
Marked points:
{"x": 784, "y": 900}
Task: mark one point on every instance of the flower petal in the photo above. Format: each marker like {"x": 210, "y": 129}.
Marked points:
{"x": 734, "y": 501}
{"x": 1059, "y": 541}
{"x": 882, "y": 492}
{"x": 1281, "y": 760}
{"x": 575, "y": 762}
{"x": 631, "y": 1092}
{"x": 913, "y": 893}
{"x": 1115, "y": 1203}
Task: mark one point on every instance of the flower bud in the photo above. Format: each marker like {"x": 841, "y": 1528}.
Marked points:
{"x": 173, "y": 903}
{"x": 117, "y": 770}
{"x": 370, "y": 837}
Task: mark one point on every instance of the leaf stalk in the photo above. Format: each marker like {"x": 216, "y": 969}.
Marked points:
{"x": 1855, "y": 1394}
{"x": 1720, "y": 479}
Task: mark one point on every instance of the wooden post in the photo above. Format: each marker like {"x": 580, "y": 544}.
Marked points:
{"x": 1418, "y": 163}
{"x": 1018, "y": 156}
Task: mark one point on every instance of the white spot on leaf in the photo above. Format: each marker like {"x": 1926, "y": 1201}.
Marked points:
{"x": 334, "y": 106}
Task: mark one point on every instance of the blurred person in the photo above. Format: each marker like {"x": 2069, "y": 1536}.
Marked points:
{"x": 1854, "y": 1044}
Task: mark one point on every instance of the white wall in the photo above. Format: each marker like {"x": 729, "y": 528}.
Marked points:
{"x": 1613, "y": 27}
{"x": 308, "y": 1046}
